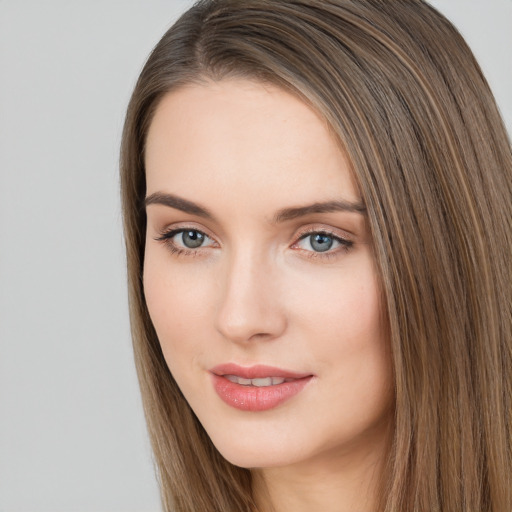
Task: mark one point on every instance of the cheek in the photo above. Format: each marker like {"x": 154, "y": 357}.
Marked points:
{"x": 355, "y": 315}
{"x": 361, "y": 331}
{"x": 346, "y": 319}
{"x": 177, "y": 302}
{"x": 344, "y": 306}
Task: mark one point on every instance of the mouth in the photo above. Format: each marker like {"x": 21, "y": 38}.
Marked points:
{"x": 259, "y": 383}
{"x": 256, "y": 388}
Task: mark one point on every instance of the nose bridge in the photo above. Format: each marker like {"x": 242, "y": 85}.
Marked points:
{"x": 249, "y": 304}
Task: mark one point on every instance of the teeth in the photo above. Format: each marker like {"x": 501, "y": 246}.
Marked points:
{"x": 262, "y": 382}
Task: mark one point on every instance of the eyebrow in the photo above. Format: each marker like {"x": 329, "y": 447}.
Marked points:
{"x": 327, "y": 207}
{"x": 283, "y": 215}
{"x": 178, "y": 203}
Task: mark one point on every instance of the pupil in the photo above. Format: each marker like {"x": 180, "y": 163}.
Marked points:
{"x": 321, "y": 243}
{"x": 192, "y": 239}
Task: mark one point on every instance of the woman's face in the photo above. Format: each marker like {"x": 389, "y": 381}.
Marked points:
{"x": 259, "y": 277}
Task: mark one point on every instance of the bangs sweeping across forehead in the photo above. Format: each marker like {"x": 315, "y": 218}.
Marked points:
{"x": 403, "y": 94}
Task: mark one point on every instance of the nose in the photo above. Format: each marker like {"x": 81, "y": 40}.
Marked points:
{"x": 251, "y": 306}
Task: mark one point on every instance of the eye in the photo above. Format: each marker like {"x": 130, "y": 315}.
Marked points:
{"x": 322, "y": 242}
{"x": 186, "y": 239}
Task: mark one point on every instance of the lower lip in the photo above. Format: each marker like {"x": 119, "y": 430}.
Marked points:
{"x": 253, "y": 398}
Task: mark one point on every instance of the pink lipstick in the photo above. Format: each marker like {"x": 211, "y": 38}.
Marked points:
{"x": 256, "y": 388}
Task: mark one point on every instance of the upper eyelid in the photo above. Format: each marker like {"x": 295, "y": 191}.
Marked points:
{"x": 331, "y": 231}
{"x": 186, "y": 226}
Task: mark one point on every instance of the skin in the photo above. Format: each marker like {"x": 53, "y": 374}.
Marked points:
{"x": 259, "y": 292}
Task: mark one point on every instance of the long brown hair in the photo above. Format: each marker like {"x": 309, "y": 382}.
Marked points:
{"x": 404, "y": 95}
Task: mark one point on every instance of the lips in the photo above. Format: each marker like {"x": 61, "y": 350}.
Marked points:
{"x": 256, "y": 388}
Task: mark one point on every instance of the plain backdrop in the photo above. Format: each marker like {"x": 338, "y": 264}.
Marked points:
{"x": 72, "y": 434}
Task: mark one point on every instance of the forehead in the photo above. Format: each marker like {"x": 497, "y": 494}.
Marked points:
{"x": 243, "y": 137}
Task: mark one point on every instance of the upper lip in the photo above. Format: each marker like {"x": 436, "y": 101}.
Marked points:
{"x": 258, "y": 371}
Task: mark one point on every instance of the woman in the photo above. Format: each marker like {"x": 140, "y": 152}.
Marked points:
{"x": 318, "y": 228}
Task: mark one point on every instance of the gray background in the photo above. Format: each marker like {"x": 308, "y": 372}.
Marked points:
{"x": 72, "y": 435}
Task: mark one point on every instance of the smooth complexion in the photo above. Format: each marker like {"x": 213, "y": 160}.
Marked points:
{"x": 243, "y": 268}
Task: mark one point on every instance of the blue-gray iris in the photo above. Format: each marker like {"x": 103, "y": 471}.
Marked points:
{"x": 321, "y": 243}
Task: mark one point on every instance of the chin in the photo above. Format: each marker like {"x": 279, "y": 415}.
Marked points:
{"x": 251, "y": 458}
{"x": 251, "y": 452}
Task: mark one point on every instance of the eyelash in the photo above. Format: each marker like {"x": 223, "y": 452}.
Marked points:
{"x": 345, "y": 245}
{"x": 167, "y": 236}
